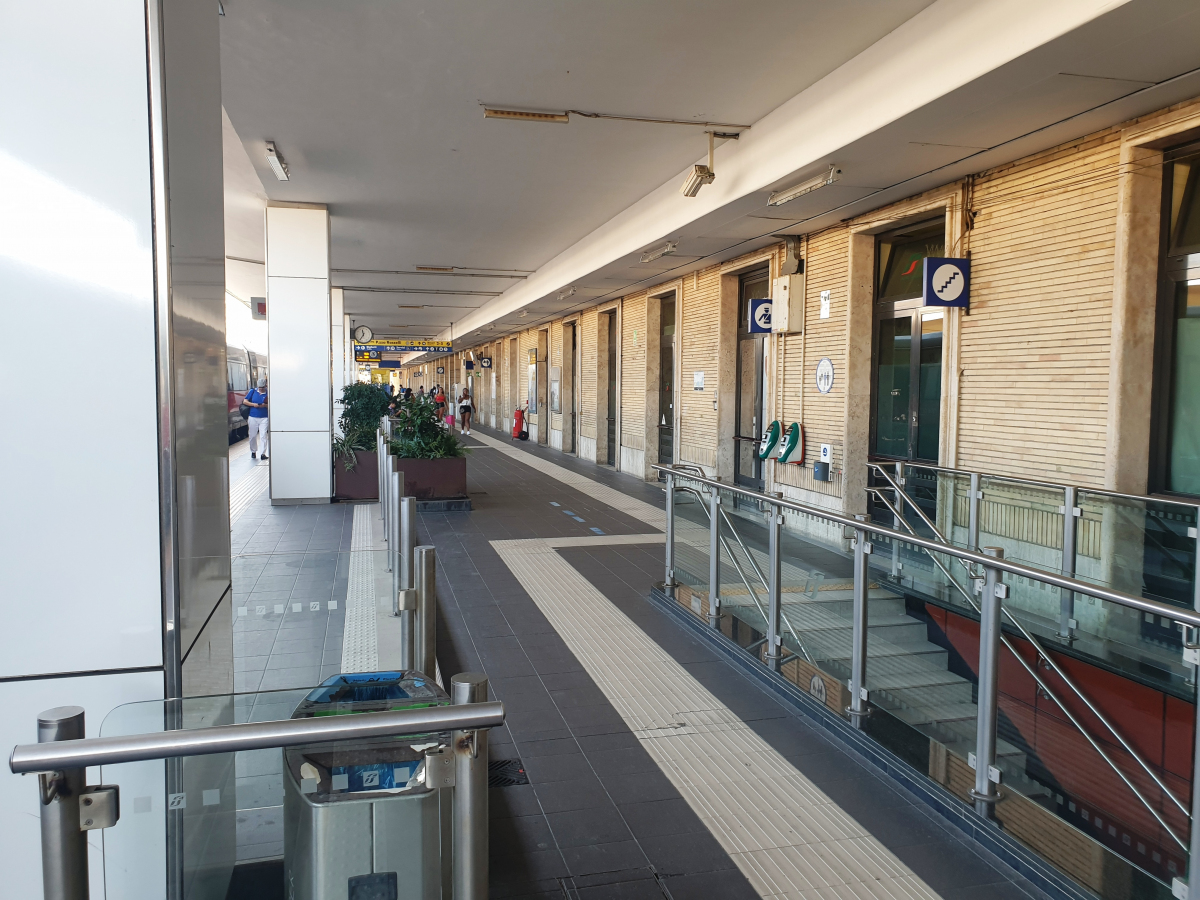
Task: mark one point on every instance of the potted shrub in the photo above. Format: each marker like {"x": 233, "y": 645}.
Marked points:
{"x": 433, "y": 459}
{"x": 355, "y": 472}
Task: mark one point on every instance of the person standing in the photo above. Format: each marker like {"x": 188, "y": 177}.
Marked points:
{"x": 464, "y": 411}
{"x": 259, "y": 431}
{"x": 439, "y": 401}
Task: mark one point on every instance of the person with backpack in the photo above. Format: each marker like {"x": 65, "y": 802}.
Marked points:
{"x": 259, "y": 430}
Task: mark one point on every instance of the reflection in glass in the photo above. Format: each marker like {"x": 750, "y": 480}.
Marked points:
{"x": 895, "y": 357}
{"x": 900, "y": 265}
{"x": 1184, "y": 461}
{"x": 930, "y": 401}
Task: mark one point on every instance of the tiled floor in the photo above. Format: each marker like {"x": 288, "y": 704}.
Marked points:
{"x": 604, "y": 816}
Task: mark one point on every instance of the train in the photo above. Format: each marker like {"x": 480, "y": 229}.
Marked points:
{"x": 243, "y": 368}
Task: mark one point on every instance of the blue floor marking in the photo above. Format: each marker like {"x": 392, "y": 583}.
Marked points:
{"x": 552, "y": 503}
{"x": 577, "y": 519}
{"x": 597, "y": 530}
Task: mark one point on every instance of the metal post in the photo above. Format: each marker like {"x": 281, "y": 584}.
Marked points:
{"x": 774, "y": 586}
{"x": 897, "y": 566}
{"x": 393, "y": 550}
{"x": 669, "y": 580}
{"x": 1193, "y": 871}
{"x": 64, "y": 845}
{"x": 406, "y": 608}
{"x": 408, "y": 535}
{"x": 973, "y": 513}
{"x": 425, "y": 644}
{"x": 470, "y": 794}
{"x": 858, "y": 640}
{"x": 986, "y": 773}
{"x": 714, "y": 557}
{"x": 379, "y": 456}
{"x": 1066, "y": 612}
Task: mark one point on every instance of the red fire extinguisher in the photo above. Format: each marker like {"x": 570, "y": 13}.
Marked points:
{"x": 519, "y": 432}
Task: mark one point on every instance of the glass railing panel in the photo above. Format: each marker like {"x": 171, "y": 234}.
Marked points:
{"x": 744, "y": 570}
{"x": 193, "y": 820}
{"x": 692, "y": 546}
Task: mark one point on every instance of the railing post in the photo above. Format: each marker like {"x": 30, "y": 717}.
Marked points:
{"x": 714, "y": 557}
{"x": 395, "y": 482}
{"x": 408, "y": 534}
{"x": 774, "y": 586}
{"x": 425, "y": 639}
{"x": 380, "y": 455}
{"x": 987, "y": 776}
{"x": 470, "y": 794}
{"x": 1066, "y": 612}
{"x": 858, "y": 640}
{"x": 973, "y": 513}
{"x": 669, "y": 579}
{"x": 64, "y": 845}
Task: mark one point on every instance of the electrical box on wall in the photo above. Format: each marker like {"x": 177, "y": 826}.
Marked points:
{"x": 787, "y": 305}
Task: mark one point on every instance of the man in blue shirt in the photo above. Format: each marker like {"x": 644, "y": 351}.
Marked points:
{"x": 260, "y": 435}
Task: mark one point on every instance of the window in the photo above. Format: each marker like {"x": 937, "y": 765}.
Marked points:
{"x": 1177, "y": 385}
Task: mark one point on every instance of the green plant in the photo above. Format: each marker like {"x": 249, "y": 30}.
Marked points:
{"x": 417, "y": 433}
{"x": 363, "y": 405}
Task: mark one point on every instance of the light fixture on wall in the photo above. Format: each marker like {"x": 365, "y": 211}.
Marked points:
{"x": 275, "y": 161}
{"x": 665, "y": 250}
{"x": 805, "y": 187}
{"x": 700, "y": 175}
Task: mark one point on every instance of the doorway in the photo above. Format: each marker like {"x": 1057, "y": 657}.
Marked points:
{"x": 570, "y": 352}
{"x": 906, "y": 413}
{"x": 749, "y": 407}
{"x": 610, "y": 456}
{"x": 666, "y": 382}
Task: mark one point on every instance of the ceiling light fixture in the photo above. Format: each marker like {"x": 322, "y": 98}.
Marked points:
{"x": 521, "y": 115}
{"x": 402, "y": 306}
{"x": 805, "y": 187}
{"x": 523, "y": 313}
{"x": 665, "y": 250}
{"x": 435, "y": 268}
{"x": 700, "y": 175}
{"x": 275, "y": 161}
{"x": 563, "y": 295}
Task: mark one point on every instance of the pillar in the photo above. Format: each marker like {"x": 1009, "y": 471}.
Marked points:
{"x": 299, "y": 332}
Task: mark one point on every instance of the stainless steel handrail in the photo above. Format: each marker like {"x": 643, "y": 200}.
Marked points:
{"x": 103, "y": 751}
{"x": 1188, "y": 617}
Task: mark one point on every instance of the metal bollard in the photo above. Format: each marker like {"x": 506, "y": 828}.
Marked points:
{"x": 986, "y": 773}
{"x": 379, "y": 457}
{"x": 858, "y": 641}
{"x": 714, "y": 555}
{"x": 408, "y": 536}
{"x": 470, "y": 795}
{"x": 395, "y": 480}
{"x": 774, "y": 587}
{"x": 425, "y": 638}
{"x": 64, "y": 844}
{"x": 405, "y": 606}
{"x": 669, "y": 580}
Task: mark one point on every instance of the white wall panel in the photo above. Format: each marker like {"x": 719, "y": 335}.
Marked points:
{"x": 298, "y": 310}
{"x": 297, "y": 242}
{"x": 301, "y": 465}
{"x": 79, "y": 519}
{"x": 19, "y": 805}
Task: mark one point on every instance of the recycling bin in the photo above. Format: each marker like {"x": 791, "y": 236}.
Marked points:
{"x": 359, "y": 821}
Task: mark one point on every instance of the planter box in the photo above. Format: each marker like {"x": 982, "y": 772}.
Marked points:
{"x": 362, "y": 483}
{"x": 434, "y": 479}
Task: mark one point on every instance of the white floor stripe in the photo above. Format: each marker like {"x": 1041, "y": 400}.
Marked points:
{"x": 248, "y": 489}
{"x": 360, "y": 640}
{"x": 786, "y": 836}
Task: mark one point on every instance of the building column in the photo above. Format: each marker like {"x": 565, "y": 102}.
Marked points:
{"x": 299, "y": 332}
{"x": 337, "y": 349}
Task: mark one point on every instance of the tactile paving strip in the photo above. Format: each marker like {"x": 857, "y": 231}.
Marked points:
{"x": 360, "y": 642}
{"x": 248, "y": 489}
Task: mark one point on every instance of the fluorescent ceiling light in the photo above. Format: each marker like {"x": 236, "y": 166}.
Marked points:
{"x": 665, "y": 250}
{"x": 402, "y": 306}
{"x": 435, "y": 268}
{"x": 563, "y": 295}
{"x": 805, "y": 187}
{"x": 275, "y": 161}
{"x": 522, "y": 116}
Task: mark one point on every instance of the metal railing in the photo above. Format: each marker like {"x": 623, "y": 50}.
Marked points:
{"x": 70, "y": 808}
{"x": 987, "y": 570}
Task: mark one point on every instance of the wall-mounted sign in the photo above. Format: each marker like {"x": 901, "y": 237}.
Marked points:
{"x": 470, "y": 366}
{"x": 485, "y": 362}
{"x": 947, "y": 282}
{"x": 697, "y": 381}
{"x": 825, "y": 299}
{"x": 556, "y": 389}
{"x": 258, "y": 307}
{"x": 825, "y": 375}
{"x": 406, "y": 344}
{"x": 760, "y": 316}
{"x": 441, "y": 370}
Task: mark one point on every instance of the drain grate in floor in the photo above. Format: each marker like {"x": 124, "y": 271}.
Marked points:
{"x": 506, "y": 773}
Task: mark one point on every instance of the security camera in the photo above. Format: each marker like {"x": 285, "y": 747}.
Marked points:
{"x": 698, "y": 178}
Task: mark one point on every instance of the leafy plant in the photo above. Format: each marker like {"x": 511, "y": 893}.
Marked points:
{"x": 417, "y": 433}
{"x": 363, "y": 405}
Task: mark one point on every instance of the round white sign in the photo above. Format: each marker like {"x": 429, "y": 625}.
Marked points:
{"x": 816, "y": 687}
{"x": 948, "y": 282}
{"x": 825, "y": 375}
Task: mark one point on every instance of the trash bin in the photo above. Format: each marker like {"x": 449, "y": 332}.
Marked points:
{"x": 359, "y": 821}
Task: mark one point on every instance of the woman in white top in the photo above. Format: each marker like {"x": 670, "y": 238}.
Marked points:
{"x": 464, "y": 411}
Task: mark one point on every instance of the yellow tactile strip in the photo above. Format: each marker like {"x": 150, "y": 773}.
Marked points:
{"x": 786, "y": 836}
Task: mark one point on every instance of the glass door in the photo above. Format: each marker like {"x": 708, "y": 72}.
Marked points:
{"x": 666, "y": 383}
{"x": 749, "y": 418}
{"x": 906, "y": 414}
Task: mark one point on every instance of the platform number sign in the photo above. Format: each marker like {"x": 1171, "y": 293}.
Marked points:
{"x": 947, "y": 282}
{"x": 825, "y": 375}
{"x": 760, "y": 316}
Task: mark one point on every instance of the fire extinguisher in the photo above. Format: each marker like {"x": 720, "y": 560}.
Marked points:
{"x": 519, "y": 432}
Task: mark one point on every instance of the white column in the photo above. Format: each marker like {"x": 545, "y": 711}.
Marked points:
{"x": 298, "y": 330}
{"x": 337, "y": 349}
